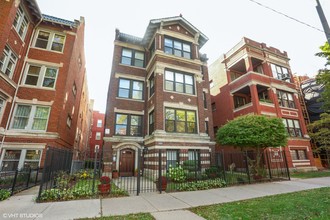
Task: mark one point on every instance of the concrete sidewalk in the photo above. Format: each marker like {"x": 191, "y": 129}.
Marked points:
{"x": 161, "y": 206}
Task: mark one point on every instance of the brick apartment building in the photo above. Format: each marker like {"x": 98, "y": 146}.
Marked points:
{"x": 42, "y": 78}
{"x": 158, "y": 97}
{"x": 253, "y": 78}
{"x": 97, "y": 133}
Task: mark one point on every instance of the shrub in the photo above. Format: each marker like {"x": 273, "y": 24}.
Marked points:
{"x": 4, "y": 194}
{"x": 213, "y": 172}
{"x": 202, "y": 185}
{"x": 177, "y": 174}
{"x": 190, "y": 165}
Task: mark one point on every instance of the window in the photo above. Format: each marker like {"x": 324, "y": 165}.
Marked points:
{"x": 179, "y": 82}
{"x": 98, "y": 136}
{"x": 130, "y": 89}
{"x": 239, "y": 101}
{"x": 151, "y": 122}
{"x": 215, "y": 129}
{"x": 132, "y": 57}
{"x": 194, "y": 155}
{"x": 2, "y": 106}
{"x": 129, "y": 125}
{"x": 151, "y": 85}
{"x": 204, "y": 99}
{"x": 298, "y": 154}
{"x": 280, "y": 72}
{"x": 206, "y": 127}
{"x": 177, "y": 48}
{"x": 181, "y": 121}
{"x": 99, "y": 123}
{"x": 152, "y": 48}
{"x": 213, "y": 106}
{"x": 50, "y": 41}
{"x": 172, "y": 158}
{"x": 20, "y": 23}
{"x": 32, "y": 159}
{"x": 292, "y": 127}
{"x": 41, "y": 76}
{"x": 31, "y": 117}
{"x": 68, "y": 121}
{"x": 11, "y": 160}
{"x": 285, "y": 99}
{"x": 8, "y": 62}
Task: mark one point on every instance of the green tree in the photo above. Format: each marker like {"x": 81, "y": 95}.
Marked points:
{"x": 253, "y": 131}
{"x": 319, "y": 131}
{"x": 323, "y": 77}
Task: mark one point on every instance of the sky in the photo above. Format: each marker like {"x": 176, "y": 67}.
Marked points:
{"x": 224, "y": 22}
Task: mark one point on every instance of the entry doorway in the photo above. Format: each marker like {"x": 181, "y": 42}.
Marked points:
{"x": 126, "y": 163}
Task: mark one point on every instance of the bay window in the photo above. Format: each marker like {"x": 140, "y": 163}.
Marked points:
{"x": 179, "y": 82}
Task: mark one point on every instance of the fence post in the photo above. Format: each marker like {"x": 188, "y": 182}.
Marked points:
{"x": 28, "y": 180}
{"x": 195, "y": 163}
{"x": 286, "y": 164}
{"x": 269, "y": 171}
{"x": 247, "y": 167}
{"x": 223, "y": 165}
{"x": 138, "y": 185}
{"x": 96, "y": 151}
{"x": 14, "y": 182}
{"x": 36, "y": 179}
{"x": 44, "y": 173}
{"x": 160, "y": 170}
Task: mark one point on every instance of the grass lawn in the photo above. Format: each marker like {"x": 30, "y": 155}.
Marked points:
{"x": 315, "y": 174}
{"x": 138, "y": 216}
{"x": 309, "y": 204}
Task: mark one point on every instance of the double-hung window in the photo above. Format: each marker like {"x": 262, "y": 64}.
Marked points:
{"x": 179, "y": 82}
{"x": 285, "y": 99}
{"x": 151, "y": 85}
{"x": 8, "y": 62}
{"x": 2, "y": 106}
{"x": 41, "y": 76}
{"x": 172, "y": 158}
{"x": 239, "y": 101}
{"x": 132, "y": 57}
{"x": 20, "y": 23}
{"x": 151, "y": 122}
{"x": 293, "y": 127}
{"x": 177, "y": 48}
{"x": 130, "y": 89}
{"x": 50, "y": 41}
{"x": 30, "y": 117}
{"x": 98, "y": 136}
{"x": 99, "y": 123}
{"x": 280, "y": 72}
{"x": 298, "y": 154}
{"x": 194, "y": 155}
{"x": 181, "y": 121}
{"x": 128, "y": 125}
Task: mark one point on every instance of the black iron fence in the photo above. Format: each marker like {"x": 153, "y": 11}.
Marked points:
{"x": 15, "y": 181}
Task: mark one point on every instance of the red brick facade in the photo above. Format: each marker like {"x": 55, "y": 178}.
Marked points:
{"x": 39, "y": 106}
{"x": 255, "y": 79}
{"x": 97, "y": 132}
{"x": 155, "y": 99}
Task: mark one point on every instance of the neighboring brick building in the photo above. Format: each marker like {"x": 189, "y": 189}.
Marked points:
{"x": 97, "y": 133}
{"x": 158, "y": 97}
{"x": 42, "y": 74}
{"x": 255, "y": 79}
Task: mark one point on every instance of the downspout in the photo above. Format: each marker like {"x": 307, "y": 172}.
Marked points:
{"x": 16, "y": 91}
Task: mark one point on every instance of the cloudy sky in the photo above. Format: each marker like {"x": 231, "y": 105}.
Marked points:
{"x": 224, "y": 22}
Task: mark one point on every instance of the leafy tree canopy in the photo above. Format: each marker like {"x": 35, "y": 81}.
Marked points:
{"x": 319, "y": 131}
{"x": 323, "y": 77}
{"x": 256, "y": 131}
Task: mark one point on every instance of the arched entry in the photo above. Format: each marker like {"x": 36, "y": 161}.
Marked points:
{"x": 127, "y": 161}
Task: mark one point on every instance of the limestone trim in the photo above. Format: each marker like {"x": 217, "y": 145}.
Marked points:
{"x": 116, "y": 110}
{"x": 41, "y": 62}
{"x": 128, "y": 76}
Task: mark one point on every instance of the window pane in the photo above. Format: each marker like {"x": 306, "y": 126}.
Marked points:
{"x": 124, "y": 83}
{"x": 180, "y": 115}
{"x": 180, "y": 126}
{"x": 135, "y": 131}
{"x": 169, "y": 86}
{"x": 188, "y": 79}
{"x": 137, "y": 85}
{"x": 296, "y": 124}
{"x": 177, "y": 45}
{"x": 32, "y": 75}
{"x": 179, "y": 87}
{"x": 42, "y": 39}
{"x": 186, "y": 47}
{"x": 58, "y": 43}
{"x": 139, "y": 55}
{"x": 178, "y": 53}
{"x": 169, "y": 114}
{"x": 137, "y": 95}
{"x": 50, "y": 76}
{"x": 139, "y": 63}
{"x": 191, "y": 116}
{"x": 179, "y": 77}
{"x": 40, "y": 118}
{"x": 127, "y": 53}
{"x": 33, "y": 155}
{"x": 168, "y": 43}
{"x": 21, "y": 117}
{"x": 168, "y": 50}
{"x": 169, "y": 126}
{"x": 290, "y": 123}
{"x": 121, "y": 129}
{"x": 186, "y": 55}
{"x": 189, "y": 89}
{"x": 126, "y": 60}
{"x": 121, "y": 119}
{"x": 123, "y": 93}
{"x": 191, "y": 127}
{"x": 135, "y": 120}
{"x": 169, "y": 75}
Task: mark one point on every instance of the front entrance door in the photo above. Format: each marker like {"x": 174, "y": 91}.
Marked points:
{"x": 126, "y": 163}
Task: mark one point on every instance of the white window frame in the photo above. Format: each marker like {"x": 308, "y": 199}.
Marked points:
{"x": 99, "y": 123}
{"x": 30, "y": 118}
{"x": 2, "y": 107}
{"x": 41, "y": 76}
{"x": 50, "y": 40}
{"x": 21, "y": 13}
{"x": 8, "y": 56}
{"x": 22, "y": 159}
{"x": 98, "y": 136}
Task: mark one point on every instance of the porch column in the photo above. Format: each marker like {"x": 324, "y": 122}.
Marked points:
{"x": 248, "y": 64}
{"x": 255, "y": 98}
